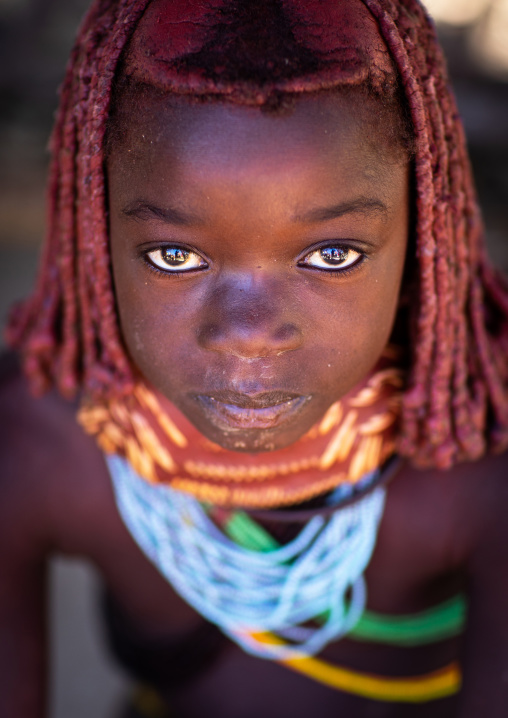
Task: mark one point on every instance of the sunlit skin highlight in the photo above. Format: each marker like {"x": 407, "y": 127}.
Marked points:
{"x": 257, "y": 338}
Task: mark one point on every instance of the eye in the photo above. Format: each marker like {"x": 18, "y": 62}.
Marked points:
{"x": 332, "y": 258}
{"x": 175, "y": 259}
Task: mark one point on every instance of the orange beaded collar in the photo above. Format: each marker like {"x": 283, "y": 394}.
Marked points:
{"x": 355, "y": 436}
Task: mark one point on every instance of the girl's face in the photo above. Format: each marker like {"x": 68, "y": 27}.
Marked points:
{"x": 257, "y": 258}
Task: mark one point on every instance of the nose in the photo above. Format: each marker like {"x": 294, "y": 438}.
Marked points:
{"x": 250, "y": 319}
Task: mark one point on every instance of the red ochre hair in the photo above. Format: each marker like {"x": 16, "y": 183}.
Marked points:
{"x": 456, "y": 402}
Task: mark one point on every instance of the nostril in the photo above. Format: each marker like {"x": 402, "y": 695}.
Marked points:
{"x": 287, "y": 333}
{"x": 208, "y": 332}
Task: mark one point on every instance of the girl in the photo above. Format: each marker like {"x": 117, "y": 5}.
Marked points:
{"x": 265, "y": 283}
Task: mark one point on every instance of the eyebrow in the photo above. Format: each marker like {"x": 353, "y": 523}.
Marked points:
{"x": 145, "y": 211}
{"x": 362, "y": 205}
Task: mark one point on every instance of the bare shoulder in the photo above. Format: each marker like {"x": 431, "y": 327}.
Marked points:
{"x": 449, "y": 518}
{"x": 52, "y": 474}
{"x": 480, "y": 494}
{"x": 470, "y": 502}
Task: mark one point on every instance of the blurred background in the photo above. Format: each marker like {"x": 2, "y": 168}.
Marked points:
{"x": 35, "y": 39}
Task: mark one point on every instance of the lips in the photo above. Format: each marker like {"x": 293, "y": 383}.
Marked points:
{"x": 231, "y": 411}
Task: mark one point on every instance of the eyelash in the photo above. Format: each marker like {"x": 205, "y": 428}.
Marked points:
{"x": 160, "y": 272}
{"x": 336, "y": 273}
{"x": 341, "y": 273}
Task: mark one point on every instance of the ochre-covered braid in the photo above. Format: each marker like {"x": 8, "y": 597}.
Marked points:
{"x": 69, "y": 330}
{"x": 454, "y": 390}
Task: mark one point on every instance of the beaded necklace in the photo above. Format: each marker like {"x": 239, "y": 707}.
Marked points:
{"x": 244, "y": 591}
{"x": 251, "y": 593}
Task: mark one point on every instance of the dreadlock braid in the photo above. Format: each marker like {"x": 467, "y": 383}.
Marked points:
{"x": 456, "y": 402}
{"x": 457, "y": 383}
{"x": 68, "y": 331}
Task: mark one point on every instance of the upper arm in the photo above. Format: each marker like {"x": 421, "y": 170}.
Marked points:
{"x": 24, "y": 546}
{"x": 22, "y": 594}
{"x": 22, "y": 626}
{"x": 485, "y": 655}
{"x": 54, "y": 497}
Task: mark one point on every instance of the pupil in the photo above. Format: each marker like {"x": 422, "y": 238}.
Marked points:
{"x": 174, "y": 256}
{"x": 334, "y": 255}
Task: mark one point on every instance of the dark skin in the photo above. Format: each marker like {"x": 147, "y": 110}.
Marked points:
{"x": 255, "y": 316}
{"x": 441, "y": 531}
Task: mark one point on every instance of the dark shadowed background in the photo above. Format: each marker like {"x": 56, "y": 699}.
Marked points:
{"x": 35, "y": 39}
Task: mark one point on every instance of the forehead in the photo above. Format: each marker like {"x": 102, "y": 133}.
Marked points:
{"x": 218, "y": 163}
{"x": 312, "y": 127}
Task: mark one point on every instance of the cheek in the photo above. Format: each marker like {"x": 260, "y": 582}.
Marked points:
{"x": 355, "y": 318}
{"x": 350, "y": 338}
{"x": 157, "y": 321}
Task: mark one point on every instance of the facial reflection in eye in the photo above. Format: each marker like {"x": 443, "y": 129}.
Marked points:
{"x": 175, "y": 259}
{"x": 332, "y": 258}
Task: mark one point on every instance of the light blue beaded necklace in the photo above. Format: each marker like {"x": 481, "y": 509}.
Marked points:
{"x": 318, "y": 575}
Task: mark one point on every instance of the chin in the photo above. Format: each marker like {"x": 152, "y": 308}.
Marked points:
{"x": 252, "y": 441}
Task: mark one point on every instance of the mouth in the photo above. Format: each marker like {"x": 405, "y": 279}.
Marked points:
{"x": 230, "y": 411}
